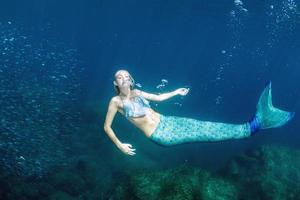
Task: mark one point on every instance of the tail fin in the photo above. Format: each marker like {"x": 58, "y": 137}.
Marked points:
{"x": 267, "y": 116}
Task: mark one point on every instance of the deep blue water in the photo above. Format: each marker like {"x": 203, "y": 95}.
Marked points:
{"x": 225, "y": 51}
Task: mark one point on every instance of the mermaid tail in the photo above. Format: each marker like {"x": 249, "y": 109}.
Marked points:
{"x": 267, "y": 116}
{"x": 174, "y": 130}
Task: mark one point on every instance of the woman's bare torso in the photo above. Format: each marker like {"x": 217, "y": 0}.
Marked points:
{"x": 147, "y": 123}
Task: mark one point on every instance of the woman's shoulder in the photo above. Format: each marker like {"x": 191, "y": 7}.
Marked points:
{"x": 116, "y": 100}
{"x": 137, "y": 92}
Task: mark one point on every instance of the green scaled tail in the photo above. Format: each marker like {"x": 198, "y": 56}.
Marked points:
{"x": 267, "y": 115}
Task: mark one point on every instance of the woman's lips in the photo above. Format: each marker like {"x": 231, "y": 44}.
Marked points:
{"x": 126, "y": 82}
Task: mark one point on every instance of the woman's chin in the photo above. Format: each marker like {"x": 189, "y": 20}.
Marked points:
{"x": 125, "y": 86}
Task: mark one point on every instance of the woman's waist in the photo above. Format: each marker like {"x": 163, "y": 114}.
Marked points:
{"x": 148, "y": 123}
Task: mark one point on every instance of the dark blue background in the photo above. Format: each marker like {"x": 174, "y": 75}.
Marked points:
{"x": 181, "y": 41}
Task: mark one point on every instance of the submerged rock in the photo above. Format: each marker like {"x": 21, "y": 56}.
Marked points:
{"x": 271, "y": 172}
{"x": 61, "y": 196}
{"x": 219, "y": 189}
{"x": 184, "y": 182}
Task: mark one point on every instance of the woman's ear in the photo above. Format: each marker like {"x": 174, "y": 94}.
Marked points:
{"x": 115, "y": 83}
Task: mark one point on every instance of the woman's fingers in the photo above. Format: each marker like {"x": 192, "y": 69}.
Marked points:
{"x": 131, "y": 153}
{"x": 187, "y": 90}
{"x": 184, "y": 91}
{"x": 129, "y": 150}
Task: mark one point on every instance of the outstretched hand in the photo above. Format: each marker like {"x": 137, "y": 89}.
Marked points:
{"x": 127, "y": 149}
{"x": 183, "y": 91}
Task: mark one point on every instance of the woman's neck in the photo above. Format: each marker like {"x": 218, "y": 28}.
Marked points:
{"x": 125, "y": 93}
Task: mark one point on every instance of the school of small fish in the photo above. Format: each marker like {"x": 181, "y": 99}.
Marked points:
{"x": 39, "y": 92}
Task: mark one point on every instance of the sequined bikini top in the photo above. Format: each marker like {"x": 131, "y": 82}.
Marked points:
{"x": 136, "y": 107}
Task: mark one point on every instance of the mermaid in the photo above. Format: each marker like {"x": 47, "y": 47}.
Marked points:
{"x": 173, "y": 130}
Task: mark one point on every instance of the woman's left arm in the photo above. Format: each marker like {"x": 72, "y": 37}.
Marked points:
{"x": 165, "y": 96}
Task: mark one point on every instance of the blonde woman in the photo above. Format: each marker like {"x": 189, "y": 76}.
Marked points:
{"x": 173, "y": 130}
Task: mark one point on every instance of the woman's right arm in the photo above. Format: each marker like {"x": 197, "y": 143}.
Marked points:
{"x": 112, "y": 110}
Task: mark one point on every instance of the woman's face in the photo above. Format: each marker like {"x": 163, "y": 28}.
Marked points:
{"x": 123, "y": 79}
